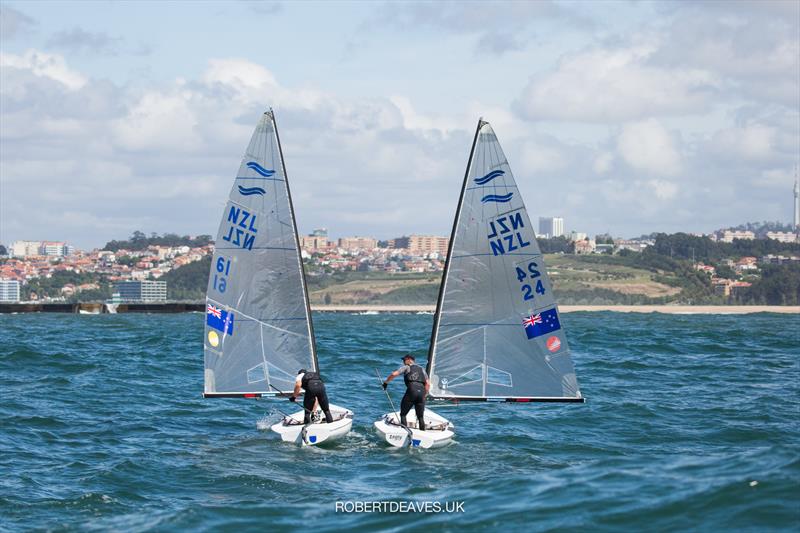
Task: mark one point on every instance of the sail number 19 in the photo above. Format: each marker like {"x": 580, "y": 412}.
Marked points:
{"x": 220, "y": 278}
{"x": 527, "y": 279}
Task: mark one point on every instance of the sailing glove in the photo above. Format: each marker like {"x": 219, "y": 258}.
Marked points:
{"x": 385, "y": 385}
{"x": 292, "y": 399}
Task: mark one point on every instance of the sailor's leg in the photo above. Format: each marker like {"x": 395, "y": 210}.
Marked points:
{"x": 419, "y": 408}
{"x": 322, "y": 396}
{"x": 309, "y": 399}
{"x": 405, "y": 407}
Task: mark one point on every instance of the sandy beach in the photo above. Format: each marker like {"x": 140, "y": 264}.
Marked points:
{"x": 669, "y": 309}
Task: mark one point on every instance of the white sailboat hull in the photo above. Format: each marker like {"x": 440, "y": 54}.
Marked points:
{"x": 439, "y": 430}
{"x": 292, "y": 429}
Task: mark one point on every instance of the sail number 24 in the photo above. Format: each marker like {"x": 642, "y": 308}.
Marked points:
{"x": 223, "y": 270}
{"x": 528, "y": 278}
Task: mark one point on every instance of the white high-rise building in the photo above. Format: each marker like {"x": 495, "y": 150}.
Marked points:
{"x": 24, "y": 248}
{"x": 551, "y": 226}
{"x": 9, "y": 290}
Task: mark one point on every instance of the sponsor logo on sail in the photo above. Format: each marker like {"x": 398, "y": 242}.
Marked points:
{"x": 554, "y": 344}
{"x": 213, "y": 338}
{"x": 499, "y": 198}
{"x": 252, "y": 165}
{"x": 219, "y": 319}
{"x": 250, "y": 191}
{"x": 542, "y": 323}
{"x": 489, "y": 177}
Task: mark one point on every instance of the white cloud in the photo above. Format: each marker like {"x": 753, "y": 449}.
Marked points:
{"x": 602, "y": 163}
{"x": 752, "y": 141}
{"x": 664, "y": 190}
{"x": 612, "y": 85}
{"x": 44, "y": 65}
{"x": 649, "y": 147}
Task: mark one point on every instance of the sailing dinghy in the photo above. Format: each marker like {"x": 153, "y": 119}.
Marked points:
{"x": 497, "y": 334}
{"x": 258, "y": 329}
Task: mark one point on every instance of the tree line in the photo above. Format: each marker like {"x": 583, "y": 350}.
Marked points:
{"x": 140, "y": 241}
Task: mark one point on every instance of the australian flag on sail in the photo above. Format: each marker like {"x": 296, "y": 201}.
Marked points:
{"x": 219, "y": 319}
{"x": 541, "y": 323}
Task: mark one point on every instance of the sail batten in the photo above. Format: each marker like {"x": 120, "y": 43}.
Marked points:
{"x": 497, "y": 334}
{"x": 258, "y": 330}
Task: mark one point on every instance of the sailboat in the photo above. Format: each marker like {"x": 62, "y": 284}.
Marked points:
{"x": 258, "y": 330}
{"x": 497, "y": 334}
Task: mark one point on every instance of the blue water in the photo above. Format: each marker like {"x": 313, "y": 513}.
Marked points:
{"x": 691, "y": 423}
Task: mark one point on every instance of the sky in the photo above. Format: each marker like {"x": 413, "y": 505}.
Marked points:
{"x": 620, "y": 117}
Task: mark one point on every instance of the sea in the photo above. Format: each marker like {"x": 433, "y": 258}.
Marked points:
{"x": 692, "y": 422}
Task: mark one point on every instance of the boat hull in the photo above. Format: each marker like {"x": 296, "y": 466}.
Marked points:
{"x": 292, "y": 429}
{"x": 439, "y": 433}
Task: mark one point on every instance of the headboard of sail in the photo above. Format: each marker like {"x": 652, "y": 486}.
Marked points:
{"x": 497, "y": 332}
{"x": 258, "y": 331}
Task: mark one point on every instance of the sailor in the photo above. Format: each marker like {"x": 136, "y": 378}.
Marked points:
{"x": 417, "y": 387}
{"x": 312, "y": 383}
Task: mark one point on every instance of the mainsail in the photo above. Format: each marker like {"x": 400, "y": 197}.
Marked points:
{"x": 497, "y": 334}
{"x": 258, "y": 322}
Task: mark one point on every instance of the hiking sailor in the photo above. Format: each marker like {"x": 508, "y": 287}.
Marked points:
{"x": 312, "y": 383}
{"x": 417, "y": 386}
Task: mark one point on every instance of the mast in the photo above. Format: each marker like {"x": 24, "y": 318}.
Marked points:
{"x": 443, "y": 285}
{"x": 297, "y": 244}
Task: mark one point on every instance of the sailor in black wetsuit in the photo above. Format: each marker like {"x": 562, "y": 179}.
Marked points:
{"x": 417, "y": 386}
{"x": 315, "y": 392}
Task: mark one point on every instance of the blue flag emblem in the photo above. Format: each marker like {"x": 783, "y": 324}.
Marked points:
{"x": 541, "y": 323}
{"x": 219, "y": 319}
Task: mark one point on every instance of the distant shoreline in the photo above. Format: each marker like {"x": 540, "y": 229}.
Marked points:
{"x": 182, "y": 307}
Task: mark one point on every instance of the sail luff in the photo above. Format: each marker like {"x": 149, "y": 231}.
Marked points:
{"x": 313, "y": 342}
{"x": 443, "y": 285}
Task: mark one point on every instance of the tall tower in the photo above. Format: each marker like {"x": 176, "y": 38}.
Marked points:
{"x": 796, "y": 200}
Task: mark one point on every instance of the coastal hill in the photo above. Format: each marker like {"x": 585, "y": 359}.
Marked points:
{"x": 676, "y": 269}
{"x": 656, "y": 269}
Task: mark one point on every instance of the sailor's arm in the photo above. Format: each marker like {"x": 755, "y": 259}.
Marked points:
{"x": 427, "y": 386}
{"x": 392, "y": 376}
{"x": 297, "y": 390}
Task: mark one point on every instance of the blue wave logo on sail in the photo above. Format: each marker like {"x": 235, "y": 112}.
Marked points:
{"x": 250, "y": 191}
{"x": 261, "y": 170}
{"x": 497, "y": 198}
{"x": 489, "y": 177}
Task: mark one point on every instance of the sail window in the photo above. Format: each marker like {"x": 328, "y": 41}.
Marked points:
{"x": 256, "y": 374}
{"x": 495, "y": 376}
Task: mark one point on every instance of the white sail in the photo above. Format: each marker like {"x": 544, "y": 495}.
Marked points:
{"x": 497, "y": 333}
{"x": 258, "y": 323}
